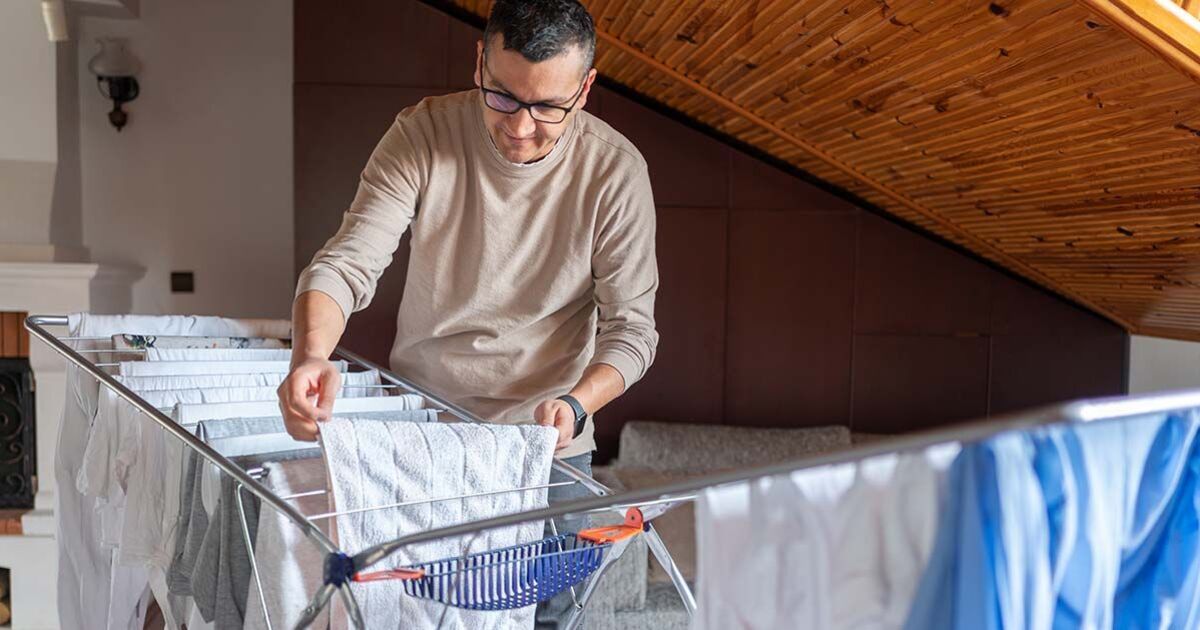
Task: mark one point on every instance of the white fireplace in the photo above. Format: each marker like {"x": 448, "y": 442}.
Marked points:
{"x": 50, "y": 288}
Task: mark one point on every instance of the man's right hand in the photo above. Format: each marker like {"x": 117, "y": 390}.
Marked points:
{"x": 306, "y": 397}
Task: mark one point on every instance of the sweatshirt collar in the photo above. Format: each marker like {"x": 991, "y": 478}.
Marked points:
{"x": 522, "y": 170}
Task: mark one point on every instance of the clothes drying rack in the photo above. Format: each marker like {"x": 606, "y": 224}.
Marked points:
{"x": 658, "y": 498}
{"x": 249, "y": 481}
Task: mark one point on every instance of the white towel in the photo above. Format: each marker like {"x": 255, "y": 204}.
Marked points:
{"x": 218, "y": 354}
{"x": 373, "y": 463}
{"x": 172, "y": 368}
{"x": 192, "y": 413}
{"x": 265, "y": 379}
{"x": 290, "y": 566}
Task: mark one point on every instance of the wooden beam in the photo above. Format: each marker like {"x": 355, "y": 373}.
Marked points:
{"x": 1174, "y": 38}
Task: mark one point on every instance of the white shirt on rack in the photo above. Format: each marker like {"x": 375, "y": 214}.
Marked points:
{"x": 841, "y": 547}
{"x": 85, "y": 574}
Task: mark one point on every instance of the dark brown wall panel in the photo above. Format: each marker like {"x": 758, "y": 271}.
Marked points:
{"x": 909, "y": 284}
{"x": 1032, "y": 370}
{"x": 371, "y": 42}
{"x": 685, "y": 382}
{"x": 791, "y": 281}
{"x": 1024, "y": 310}
{"x": 461, "y": 55}
{"x": 781, "y": 303}
{"x": 337, "y": 127}
{"x": 756, "y": 185}
{"x": 687, "y": 168}
{"x": 906, "y": 382}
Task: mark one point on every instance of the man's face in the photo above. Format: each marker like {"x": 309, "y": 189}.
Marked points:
{"x": 555, "y": 81}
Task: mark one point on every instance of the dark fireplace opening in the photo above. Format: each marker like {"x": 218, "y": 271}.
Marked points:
{"x": 18, "y": 450}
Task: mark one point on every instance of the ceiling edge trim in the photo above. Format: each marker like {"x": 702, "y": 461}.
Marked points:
{"x": 1156, "y": 28}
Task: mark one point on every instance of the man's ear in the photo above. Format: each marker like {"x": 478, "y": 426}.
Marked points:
{"x": 479, "y": 63}
{"x": 587, "y": 88}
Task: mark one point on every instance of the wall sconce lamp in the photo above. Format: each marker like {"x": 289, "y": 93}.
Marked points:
{"x": 115, "y": 68}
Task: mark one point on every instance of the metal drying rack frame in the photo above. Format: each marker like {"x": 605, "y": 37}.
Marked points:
{"x": 662, "y": 497}
{"x": 36, "y": 325}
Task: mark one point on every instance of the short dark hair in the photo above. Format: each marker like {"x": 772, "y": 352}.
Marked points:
{"x": 541, "y": 29}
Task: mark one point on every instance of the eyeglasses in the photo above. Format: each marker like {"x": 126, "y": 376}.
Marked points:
{"x": 541, "y": 112}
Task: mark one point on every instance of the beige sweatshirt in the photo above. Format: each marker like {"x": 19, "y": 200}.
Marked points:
{"x": 520, "y": 275}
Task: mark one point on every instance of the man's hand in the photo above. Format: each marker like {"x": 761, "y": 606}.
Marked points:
{"x": 557, "y": 414}
{"x": 306, "y": 397}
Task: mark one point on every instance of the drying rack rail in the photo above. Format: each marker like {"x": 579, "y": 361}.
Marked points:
{"x": 652, "y": 501}
{"x": 247, "y": 482}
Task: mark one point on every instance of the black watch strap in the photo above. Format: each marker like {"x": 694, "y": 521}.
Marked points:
{"x": 580, "y": 415}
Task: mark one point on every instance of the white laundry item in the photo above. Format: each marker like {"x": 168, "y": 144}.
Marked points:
{"x": 195, "y": 569}
{"x": 127, "y": 597}
{"x": 188, "y": 414}
{"x": 84, "y": 565}
{"x": 183, "y": 368}
{"x": 115, "y": 438}
{"x": 842, "y": 547}
{"x": 154, "y": 472}
{"x": 137, "y": 343}
{"x": 218, "y": 354}
{"x": 290, "y": 565}
{"x": 152, "y": 462}
{"x": 269, "y": 379}
{"x": 178, "y": 326}
{"x": 431, "y": 460}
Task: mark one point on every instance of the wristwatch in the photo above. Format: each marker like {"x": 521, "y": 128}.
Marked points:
{"x": 581, "y": 416}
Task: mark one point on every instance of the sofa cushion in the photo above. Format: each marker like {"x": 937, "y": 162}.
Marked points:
{"x": 692, "y": 448}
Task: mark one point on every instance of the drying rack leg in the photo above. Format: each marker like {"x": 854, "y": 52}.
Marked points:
{"x": 319, "y": 600}
{"x": 262, "y": 597}
{"x": 352, "y": 608}
{"x": 659, "y": 549}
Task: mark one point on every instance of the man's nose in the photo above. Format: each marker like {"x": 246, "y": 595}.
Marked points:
{"x": 523, "y": 124}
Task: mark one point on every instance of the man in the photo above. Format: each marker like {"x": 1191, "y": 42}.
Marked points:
{"x": 531, "y": 282}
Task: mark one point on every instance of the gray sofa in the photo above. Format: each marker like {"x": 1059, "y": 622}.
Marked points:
{"x": 636, "y": 592}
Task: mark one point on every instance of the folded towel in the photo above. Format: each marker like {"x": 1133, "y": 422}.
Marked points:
{"x": 187, "y": 414}
{"x": 218, "y": 354}
{"x": 373, "y": 463}
{"x": 261, "y": 379}
{"x": 178, "y": 368}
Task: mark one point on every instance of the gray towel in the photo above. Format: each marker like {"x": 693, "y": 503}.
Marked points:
{"x": 221, "y": 577}
{"x": 372, "y": 463}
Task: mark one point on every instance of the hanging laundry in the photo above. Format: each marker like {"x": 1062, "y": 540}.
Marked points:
{"x": 828, "y": 548}
{"x": 1075, "y": 526}
{"x": 431, "y": 461}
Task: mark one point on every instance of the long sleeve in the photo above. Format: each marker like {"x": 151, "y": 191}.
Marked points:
{"x": 348, "y": 267}
{"x": 625, "y": 272}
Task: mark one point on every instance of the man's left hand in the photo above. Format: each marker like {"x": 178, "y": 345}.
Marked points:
{"x": 557, "y": 414}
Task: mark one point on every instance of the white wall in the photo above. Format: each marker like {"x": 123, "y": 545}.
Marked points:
{"x": 201, "y": 177}
{"x": 27, "y": 75}
{"x": 1162, "y": 364}
{"x": 28, "y": 123}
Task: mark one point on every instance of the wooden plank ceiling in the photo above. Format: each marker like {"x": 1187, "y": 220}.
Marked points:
{"x": 1046, "y": 135}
